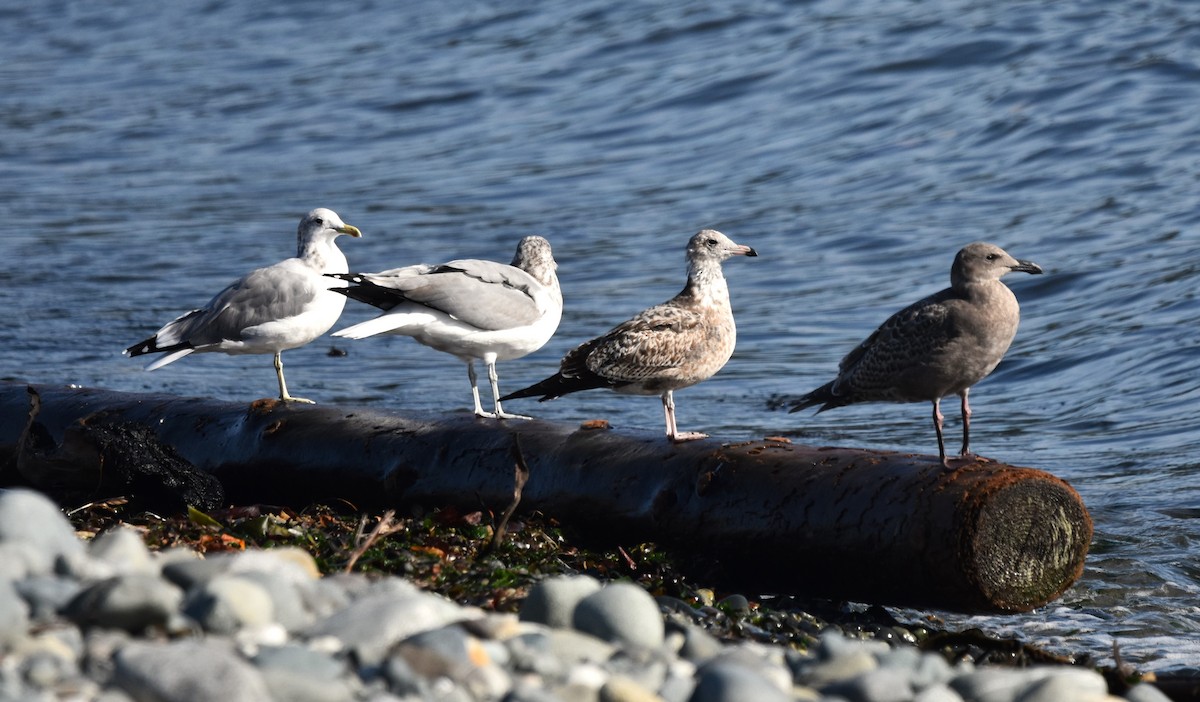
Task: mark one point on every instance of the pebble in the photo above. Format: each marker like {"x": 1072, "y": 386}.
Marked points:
{"x": 552, "y": 601}
{"x": 229, "y": 603}
{"x": 728, "y": 681}
{"x": 34, "y": 521}
{"x": 114, "y": 622}
{"x": 131, "y": 602}
{"x": 621, "y": 613}
{"x": 14, "y": 615}
{"x": 187, "y": 671}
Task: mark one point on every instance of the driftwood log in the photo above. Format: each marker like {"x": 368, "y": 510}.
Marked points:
{"x": 769, "y": 516}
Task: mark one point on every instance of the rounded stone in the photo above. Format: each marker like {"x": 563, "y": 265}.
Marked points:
{"x": 938, "y": 693}
{"x": 734, "y": 604}
{"x": 729, "y": 682}
{"x": 187, "y": 671}
{"x": 622, "y": 613}
{"x": 123, "y": 550}
{"x": 229, "y": 603}
{"x": 878, "y": 685}
{"x": 552, "y": 601}
{"x": 47, "y": 595}
{"x": 1145, "y": 692}
{"x": 14, "y": 615}
{"x": 129, "y": 602}
{"x": 1066, "y": 685}
{"x": 619, "y": 688}
{"x": 31, "y": 518}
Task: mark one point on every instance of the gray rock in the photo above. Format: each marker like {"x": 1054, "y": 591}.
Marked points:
{"x": 1066, "y": 685}
{"x": 290, "y": 606}
{"x": 832, "y": 669}
{"x": 698, "y": 645}
{"x": 14, "y": 616}
{"x": 678, "y": 686}
{"x": 1145, "y": 692}
{"x": 878, "y": 685}
{"x": 229, "y": 603}
{"x": 574, "y": 647}
{"x": 187, "y": 671}
{"x": 372, "y": 625}
{"x": 288, "y": 563}
{"x": 30, "y": 518}
{"x": 124, "y": 551}
{"x": 619, "y": 688}
{"x": 992, "y": 684}
{"x": 734, "y": 604}
{"x": 622, "y": 613}
{"x": 938, "y": 693}
{"x": 403, "y": 680}
{"x": 299, "y": 674}
{"x": 47, "y": 594}
{"x": 449, "y": 652}
{"x": 645, "y": 666}
{"x": 552, "y": 601}
{"x": 527, "y": 692}
{"x": 532, "y": 653}
{"x": 44, "y": 670}
{"x": 931, "y": 670}
{"x": 18, "y": 561}
{"x": 833, "y": 645}
{"x": 130, "y": 602}
{"x": 727, "y": 681}
{"x": 189, "y": 573}
{"x": 324, "y": 597}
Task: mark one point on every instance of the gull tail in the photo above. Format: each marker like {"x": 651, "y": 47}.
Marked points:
{"x": 173, "y": 352}
{"x": 550, "y": 388}
{"x": 821, "y": 396}
{"x": 379, "y": 325}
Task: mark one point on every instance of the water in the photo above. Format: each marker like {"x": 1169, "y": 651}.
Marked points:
{"x": 151, "y": 152}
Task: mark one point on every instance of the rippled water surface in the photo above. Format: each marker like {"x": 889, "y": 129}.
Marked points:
{"x": 152, "y": 152}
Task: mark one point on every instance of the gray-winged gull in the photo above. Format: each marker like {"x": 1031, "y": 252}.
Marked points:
{"x": 666, "y": 347}
{"x": 471, "y": 309}
{"x": 938, "y": 346}
{"x": 270, "y": 310}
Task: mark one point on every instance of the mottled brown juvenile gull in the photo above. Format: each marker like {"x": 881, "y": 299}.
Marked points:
{"x": 938, "y": 346}
{"x": 472, "y": 309}
{"x": 270, "y": 310}
{"x": 665, "y": 348}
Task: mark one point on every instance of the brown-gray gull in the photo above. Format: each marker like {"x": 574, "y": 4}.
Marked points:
{"x": 472, "y": 309}
{"x": 938, "y": 346}
{"x": 271, "y": 309}
{"x": 666, "y": 347}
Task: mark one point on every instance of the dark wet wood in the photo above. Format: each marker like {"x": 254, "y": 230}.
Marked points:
{"x": 766, "y": 516}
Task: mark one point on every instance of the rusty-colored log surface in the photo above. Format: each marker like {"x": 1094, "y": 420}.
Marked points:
{"x": 847, "y": 524}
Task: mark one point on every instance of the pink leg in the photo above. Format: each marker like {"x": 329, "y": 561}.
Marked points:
{"x": 966, "y": 419}
{"x": 668, "y": 400}
{"x": 938, "y": 420}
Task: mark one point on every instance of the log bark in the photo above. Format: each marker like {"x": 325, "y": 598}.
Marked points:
{"x": 769, "y": 516}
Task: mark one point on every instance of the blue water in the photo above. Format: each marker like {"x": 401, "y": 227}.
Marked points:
{"x": 152, "y": 152}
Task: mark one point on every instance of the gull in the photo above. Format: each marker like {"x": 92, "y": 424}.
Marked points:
{"x": 937, "y": 346}
{"x": 272, "y": 309}
{"x": 664, "y": 348}
{"x": 470, "y": 309}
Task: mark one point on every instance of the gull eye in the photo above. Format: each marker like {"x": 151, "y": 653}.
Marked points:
{"x": 992, "y": 257}
{"x": 711, "y": 243}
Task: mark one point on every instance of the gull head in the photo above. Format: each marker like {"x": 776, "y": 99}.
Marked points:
{"x": 980, "y": 262}
{"x": 712, "y": 245}
{"x": 323, "y": 223}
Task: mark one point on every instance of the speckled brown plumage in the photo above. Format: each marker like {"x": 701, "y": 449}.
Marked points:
{"x": 664, "y": 348}
{"x": 938, "y": 346}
